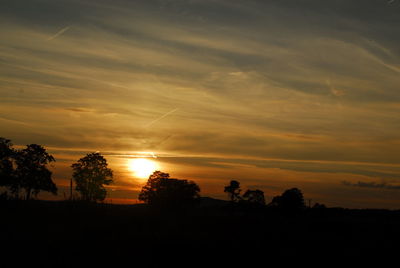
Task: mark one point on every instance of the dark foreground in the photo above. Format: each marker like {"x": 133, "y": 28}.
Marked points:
{"x": 64, "y": 234}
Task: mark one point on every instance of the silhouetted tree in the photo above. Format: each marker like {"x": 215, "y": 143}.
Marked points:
{"x": 6, "y": 162}
{"x": 254, "y": 196}
{"x": 233, "y": 190}
{"x": 4, "y": 196}
{"x": 161, "y": 190}
{"x": 319, "y": 206}
{"x": 291, "y": 199}
{"x": 90, "y": 174}
{"x": 31, "y": 173}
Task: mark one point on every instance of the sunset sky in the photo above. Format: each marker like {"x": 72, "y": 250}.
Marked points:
{"x": 275, "y": 94}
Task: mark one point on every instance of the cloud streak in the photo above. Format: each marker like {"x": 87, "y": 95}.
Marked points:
{"x": 305, "y": 88}
{"x": 373, "y": 185}
{"x": 160, "y": 118}
{"x": 60, "y": 32}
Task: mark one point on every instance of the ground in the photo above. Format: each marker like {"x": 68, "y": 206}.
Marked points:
{"x": 66, "y": 233}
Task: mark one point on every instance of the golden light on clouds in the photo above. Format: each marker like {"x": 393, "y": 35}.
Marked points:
{"x": 142, "y": 167}
{"x": 256, "y": 92}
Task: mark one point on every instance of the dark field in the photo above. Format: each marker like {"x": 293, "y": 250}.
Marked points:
{"x": 66, "y": 233}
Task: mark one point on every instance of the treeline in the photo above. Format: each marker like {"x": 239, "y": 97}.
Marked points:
{"x": 25, "y": 170}
{"x": 24, "y": 174}
{"x": 161, "y": 190}
{"x": 291, "y": 199}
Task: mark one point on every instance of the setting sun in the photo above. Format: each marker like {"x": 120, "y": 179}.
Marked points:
{"x": 142, "y": 167}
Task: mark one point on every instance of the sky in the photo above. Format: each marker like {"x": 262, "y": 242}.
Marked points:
{"x": 275, "y": 94}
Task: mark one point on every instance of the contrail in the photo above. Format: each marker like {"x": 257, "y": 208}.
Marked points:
{"x": 60, "y": 32}
{"x": 161, "y": 117}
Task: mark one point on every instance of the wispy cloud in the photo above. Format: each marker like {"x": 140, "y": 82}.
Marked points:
{"x": 258, "y": 81}
{"x": 374, "y": 185}
{"x": 60, "y": 32}
{"x": 161, "y": 117}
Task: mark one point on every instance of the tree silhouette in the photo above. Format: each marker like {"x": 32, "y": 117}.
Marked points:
{"x": 161, "y": 190}
{"x": 254, "y": 197}
{"x": 291, "y": 199}
{"x": 319, "y": 206}
{"x": 90, "y": 174}
{"x": 31, "y": 173}
{"x": 7, "y": 154}
{"x": 233, "y": 190}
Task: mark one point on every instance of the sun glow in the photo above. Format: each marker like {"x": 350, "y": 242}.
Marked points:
{"x": 142, "y": 167}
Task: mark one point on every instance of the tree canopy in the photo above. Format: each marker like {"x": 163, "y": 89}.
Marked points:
{"x": 32, "y": 173}
{"x": 161, "y": 190}
{"x": 291, "y": 199}
{"x": 90, "y": 174}
{"x": 254, "y": 197}
{"x": 233, "y": 190}
{"x": 25, "y": 169}
{"x": 7, "y": 154}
